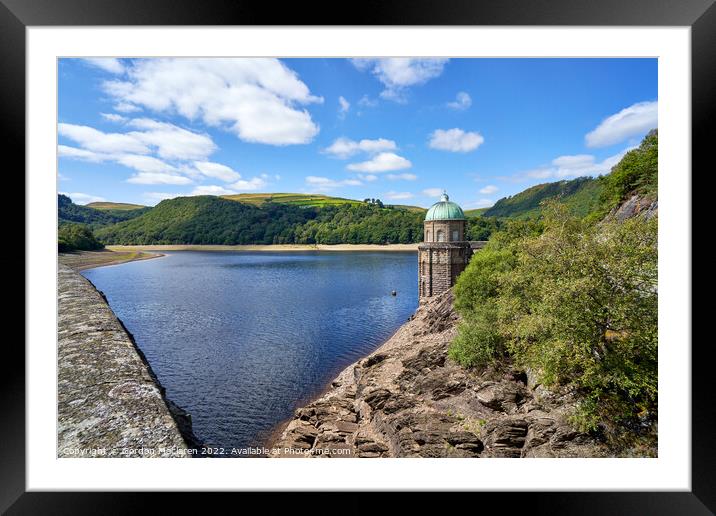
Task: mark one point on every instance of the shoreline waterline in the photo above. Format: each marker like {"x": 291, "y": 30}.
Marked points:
{"x": 272, "y": 247}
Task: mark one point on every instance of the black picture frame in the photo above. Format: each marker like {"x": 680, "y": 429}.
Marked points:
{"x": 17, "y": 15}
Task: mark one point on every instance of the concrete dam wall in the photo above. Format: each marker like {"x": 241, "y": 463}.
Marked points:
{"x": 109, "y": 401}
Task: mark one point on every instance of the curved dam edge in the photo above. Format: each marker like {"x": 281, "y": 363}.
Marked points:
{"x": 109, "y": 401}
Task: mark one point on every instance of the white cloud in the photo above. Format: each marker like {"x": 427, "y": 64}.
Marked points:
{"x": 93, "y": 140}
{"x": 212, "y": 190}
{"x": 325, "y": 183}
{"x": 217, "y": 171}
{"x": 455, "y": 140}
{"x": 133, "y": 149}
{"x": 383, "y": 162}
{"x": 145, "y": 164}
{"x": 480, "y": 203}
{"x": 631, "y": 121}
{"x": 345, "y": 147}
{"x": 433, "y": 192}
{"x": 65, "y": 151}
{"x": 113, "y": 117}
{"x": 159, "y": 196}
{"x": 83, "y": 198}
{"x": 366, "y": 101}
{"x": 489, "y": 189}
{"x": 462, "y": 101}
{"x": 399, "y": 73}
{"x": 367, "y": 177}
{"x": 577, "y": 165}
{"x": 253, "y": 184}
{"x": 124, "y": 107}
{"x": 170, "y": 141}
{"x": 343, "y": 107}
{"x": 404, "y": 177}
{"x": 257, "y": 99}
{"x": 108, "y": 64}
{"x": 396, "y": 196}
{"x": 158, "y": 178}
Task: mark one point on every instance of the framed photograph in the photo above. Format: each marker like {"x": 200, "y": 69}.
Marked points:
{"x": 425, "y": 240}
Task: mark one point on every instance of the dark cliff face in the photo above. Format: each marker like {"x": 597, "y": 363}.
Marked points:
{"x": 408, "y": 399}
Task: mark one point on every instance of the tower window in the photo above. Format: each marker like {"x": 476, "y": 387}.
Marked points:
{"x": 441, "y": 235}
{"x": 455, "y": 234}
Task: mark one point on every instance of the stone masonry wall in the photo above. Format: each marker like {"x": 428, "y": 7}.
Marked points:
{"x": 109, "y": 403}
{"x": 439, "y": 264}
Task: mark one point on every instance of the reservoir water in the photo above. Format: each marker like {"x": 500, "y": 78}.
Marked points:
{"x": 239, "y": 340}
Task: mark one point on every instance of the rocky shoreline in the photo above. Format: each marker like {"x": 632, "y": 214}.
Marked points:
{"x": 408, "y": 399}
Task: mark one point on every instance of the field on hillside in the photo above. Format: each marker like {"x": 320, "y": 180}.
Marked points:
{"x": 114, "y": 206}
{"x": 476, "y": 212}
{"x": 311, "y": 200}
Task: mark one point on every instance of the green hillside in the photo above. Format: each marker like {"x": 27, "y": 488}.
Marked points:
{"x": 477, "y": 212}
{"x": 217, "y": 220}
{"x": 69, "y": 212}
{"x": 581, "y": 196}
{"x": 119, "y": 206}
{"x": 308, "y": 200}
{"x": 303, "y": 200}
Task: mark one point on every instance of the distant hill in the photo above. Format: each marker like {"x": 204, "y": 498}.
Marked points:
{"x": 219, "y": 220}
{"x": 302, "y": 200}
{"x": 69, "y": 212}
{"x": 120, "y": 206}
{"x": 581, "y": 195}
{"x": 477, "y": 212}
{"x": 306, "y": 200}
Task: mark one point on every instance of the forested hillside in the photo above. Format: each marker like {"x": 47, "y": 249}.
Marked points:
{"x": 67, "y": 211}
{"x": 580, "y": 195}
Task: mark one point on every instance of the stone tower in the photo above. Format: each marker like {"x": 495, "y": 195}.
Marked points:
{"x": 444, "y": 252}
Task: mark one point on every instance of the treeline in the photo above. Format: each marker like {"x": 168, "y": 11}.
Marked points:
{"x": 69, "y": 212}
{"x": 574, "y": 300}
{"x": 217, "y": 221}
{"x": 76, "y": 237}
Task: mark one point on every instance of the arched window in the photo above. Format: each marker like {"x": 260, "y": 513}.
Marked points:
{"x": 455, "y": 235}
{"x": 441, "y": 235}
{"x": 427, "y": 236}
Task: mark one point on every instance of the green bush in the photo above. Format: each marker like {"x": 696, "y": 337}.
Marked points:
{"x": 577, "y": 304}
{"x": 76, "y": 237}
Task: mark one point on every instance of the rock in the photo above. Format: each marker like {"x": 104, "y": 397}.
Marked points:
{"x": 505, "y": 437}
{"x": 372, "y": 360}
{"x": 502, "y": 396}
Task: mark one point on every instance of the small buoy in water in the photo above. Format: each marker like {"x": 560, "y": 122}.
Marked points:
{"x": 393, "y": 293}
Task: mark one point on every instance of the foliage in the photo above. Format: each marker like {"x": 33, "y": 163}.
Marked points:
{"x": 67, "y": 211}
{"x": 637, "y": 172}
{"x": 112, "y": 206}
{"x": 215, "y": 220}
{"x": 581, "y": 196}
{"x": 480, "y": 228}
{"x": 578, "y": 305}
{"x": 76, "y": 237}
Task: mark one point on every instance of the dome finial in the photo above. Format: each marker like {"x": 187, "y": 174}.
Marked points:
{"x": 444, "y": 197}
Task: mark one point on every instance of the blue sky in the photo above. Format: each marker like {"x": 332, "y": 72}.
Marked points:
{"x": 401, "y": 130}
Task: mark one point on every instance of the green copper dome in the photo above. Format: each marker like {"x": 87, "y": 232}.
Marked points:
{"x": 445, "y": 210}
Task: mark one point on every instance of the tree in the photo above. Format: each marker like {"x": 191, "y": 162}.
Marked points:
{"x": 76, "y": 237}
